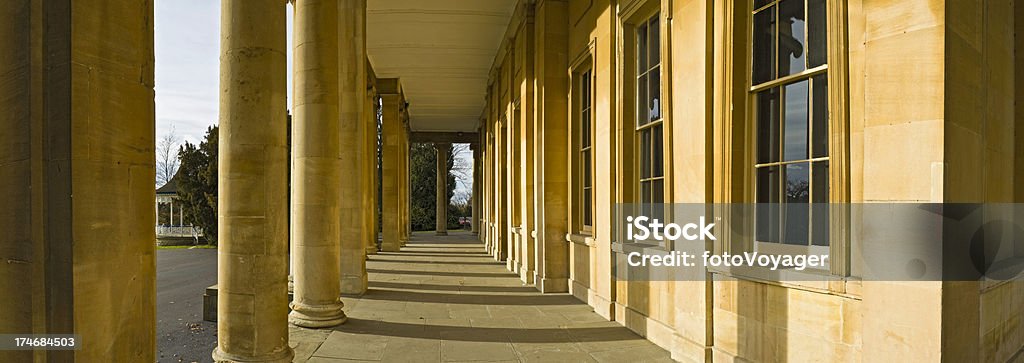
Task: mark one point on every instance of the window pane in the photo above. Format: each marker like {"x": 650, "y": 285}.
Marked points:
{"x": 585, "y": 94}
{"x": 820, "y": 229}
{"x": 658, "y": 191}
{"x": 654, "y": 41}
{"x": 791, "y": 37}
{"x": 586, "y": 207}
{"x": 585, "y": 160}
{"x": 645, "y": 196}
{"x": 820, "y": 185}
{"x": 641, "y": 101}
{"x": 641, "y": 48}
{"x": 795, "y": 116}
{"x": 819, "y": 191}
{"x": 764, "y": 46}
{"x": 796, "y": 206}
{"x": 585, "y": 129}
{"x": 645, "y": 153}
{"x": 760, "y": 3}
{"x": 767, "y": 208}
{"x": 654, "y": 79}
{"x": 798, "y": 183}
{"x": 658, "y": 151}
{"x": 585, "y": 166}
{"x": 817, "y": 33}
{"x": 768, "y": 126}
{"x": 819, "y": 107}
{"x": 657, "y": 198}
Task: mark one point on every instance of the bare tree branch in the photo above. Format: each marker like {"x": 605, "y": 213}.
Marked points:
{"x": 462, "y": 169}
{"x": 167, "y": 157}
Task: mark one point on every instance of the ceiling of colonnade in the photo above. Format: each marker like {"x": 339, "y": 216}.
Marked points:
{"x": 442, "y": 50}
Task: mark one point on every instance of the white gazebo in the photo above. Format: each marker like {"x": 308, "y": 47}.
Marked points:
{"x": 174, "y": 224}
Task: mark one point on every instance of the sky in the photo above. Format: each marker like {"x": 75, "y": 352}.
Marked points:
{"x": 188, "y": 66}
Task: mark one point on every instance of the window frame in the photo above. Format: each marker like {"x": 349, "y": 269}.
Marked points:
{"x": 627, "y": 192}
{"x": 585, "y": 116}
{"x": 583, "y": 64}
{"x": 837, "y": 75}
{"x": 640, "y": 127}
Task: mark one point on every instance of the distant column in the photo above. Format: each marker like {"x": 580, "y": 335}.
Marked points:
{"x": 370, "y": 120}
{"x": 390, "y": 166}
{"x": 475, "y": 199}
{"x": 319, "y": 163}
{"x": 442, "y": 188}
{"x": 252, "y": 263}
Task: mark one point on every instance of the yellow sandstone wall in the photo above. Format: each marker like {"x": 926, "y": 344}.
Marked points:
{"x": 930, "y": 98}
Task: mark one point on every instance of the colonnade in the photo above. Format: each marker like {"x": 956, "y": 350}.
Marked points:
{"x": 333, "y": 172}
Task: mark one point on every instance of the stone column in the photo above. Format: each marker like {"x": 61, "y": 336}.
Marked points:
{"x": 475, "y": 201}
{"x": 76, "y": 177}
{"x": 551, "y": 151}
{"x": 319, "y": 153}
{"x": 354, "y": 231}
{"x": 17, "y": 243}
{"x": 501, "y": 230}
{"x": 370, "y": 122}
{"x": 405, "y": 177}
{"x": 526, "y": 246}
{"x": 442, "y": 188}
{"x": 252, "y": 304}
{"x": 391, "y": 201}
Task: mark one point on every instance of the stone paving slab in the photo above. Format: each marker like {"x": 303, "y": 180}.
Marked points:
{"x": 442, "y": 299}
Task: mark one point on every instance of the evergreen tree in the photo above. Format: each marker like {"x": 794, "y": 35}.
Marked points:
{"x": 423, "y": 170}
{"x": 197, "y": 183}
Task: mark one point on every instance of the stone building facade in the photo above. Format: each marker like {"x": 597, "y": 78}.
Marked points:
{"x": 919, "y": 102}
{"x": 588, "y": 104}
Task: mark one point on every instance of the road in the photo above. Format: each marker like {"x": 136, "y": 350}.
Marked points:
{"x": 182, "y": 275}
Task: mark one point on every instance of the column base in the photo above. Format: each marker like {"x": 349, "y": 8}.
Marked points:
{"x": 551, "y": 285}
{"x": 391, "y": 247}
{"x": 371, "y": 250}
{"x": 284, "y": 356}
{"x": 354, "y": 285}
{"x": 317, "y": 316}
{"x": 442, "y": 233}
{"x": 527, "y": 276}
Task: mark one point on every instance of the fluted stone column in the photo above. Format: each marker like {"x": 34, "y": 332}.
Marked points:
{"x": 391, "y": 201}
{"x": 442, "y": 188}
{"x": 320, "y": 160}
{"x": 354, "y": 229}
{"x": 252, "y": 263}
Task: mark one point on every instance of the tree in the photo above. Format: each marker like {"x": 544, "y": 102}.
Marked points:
{"x": 197, "y": 183}
{"x": 462, "y": 169}
{"x": 423, "y": 170}
{"x": 167, "y": 161}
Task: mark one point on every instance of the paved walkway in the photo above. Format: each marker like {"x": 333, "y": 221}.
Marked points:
{"x": 444, "y": 299}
